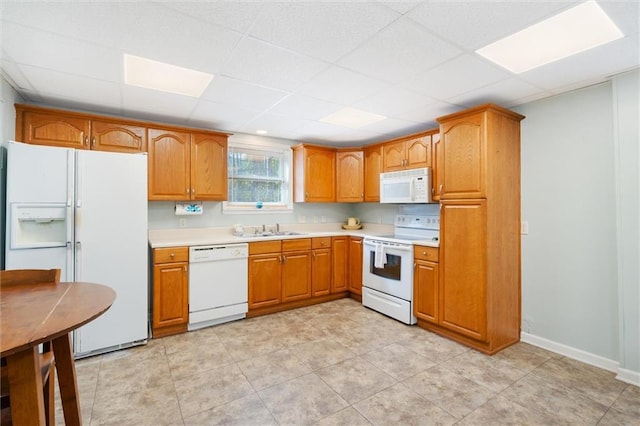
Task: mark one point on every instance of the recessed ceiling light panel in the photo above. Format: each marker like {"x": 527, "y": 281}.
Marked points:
{"x": 150, "y": 74}
{"x": 352, "y": 118}
{"x": 573, "y": 31}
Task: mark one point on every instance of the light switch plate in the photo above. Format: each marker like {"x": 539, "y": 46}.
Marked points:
{"x": 524, "y": 227}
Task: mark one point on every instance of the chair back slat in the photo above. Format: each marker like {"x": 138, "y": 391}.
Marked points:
{"x": 13, "y": 277}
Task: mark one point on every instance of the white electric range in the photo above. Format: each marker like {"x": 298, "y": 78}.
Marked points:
{"x": 387, "y": 267}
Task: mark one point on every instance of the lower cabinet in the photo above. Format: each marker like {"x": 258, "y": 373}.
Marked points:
{"x": 320, "y": 266}
{"x": 355, "y": 265}
{"x": 170, "y": 291}
{"x": 425, "y": 284}
{"x": 340, "y": 264}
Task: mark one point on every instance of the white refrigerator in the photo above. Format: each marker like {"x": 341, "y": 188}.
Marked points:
{"x": 84, "y": 212}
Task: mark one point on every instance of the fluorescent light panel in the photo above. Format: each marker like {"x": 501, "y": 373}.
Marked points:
{"x": 143, "y": 72}
{"x": 572, "y": 31}
{"x": 353, "y": 118}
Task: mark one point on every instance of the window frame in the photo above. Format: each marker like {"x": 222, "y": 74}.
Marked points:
{"x": 229, "y": 207}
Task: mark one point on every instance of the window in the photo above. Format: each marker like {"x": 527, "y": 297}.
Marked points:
{"x": 259, "y": 178}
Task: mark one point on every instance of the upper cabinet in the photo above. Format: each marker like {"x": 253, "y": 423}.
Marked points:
{"x": 465, "y": 151}
{"x": 187, "y": 166}
{"x": 44, "y": 126}
{"x": 372, "y": 170}
{"x": 350, "y": 176}
{"x": 314, "y": 174}
{"x": 409, "y": 152}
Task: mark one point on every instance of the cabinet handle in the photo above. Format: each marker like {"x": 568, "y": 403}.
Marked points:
{"x": 280, "y": 258}
{"x": 187, "y": 191}
{"x": 424, "y": 253}
{"x": 362, "y": 195}
{"x": 314, "y": 256}
{"x": 284, "y": 259}
{"x": 433, "y": 191}
{"x": 86, "y": 140}
{"x": 172, "y": 255}
{"x": 93, "y": 142}
{"x": 185, "y": 268}
{"x": 441, "y": 189}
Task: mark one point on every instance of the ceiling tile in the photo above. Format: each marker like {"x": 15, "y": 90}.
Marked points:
{"x": 390, "y": 125}
{"x": 473, "y": 24}
{"x": 428, "y": 114}
{"x": 234, "y": 15}
{"x": 392, "y": 101}
{"x": 156, "y": 105}
{"x": 12, "y": 71}
{"x": 66, "y": 86}
{"x": 304, "y": 107}
{"x": 275, "y": 125}
{"x": 323, "y": 30}
{"x": 401, "y": 7}
{"x": 402, "y": 49}
{"x": 262, "y": 63}
{"x": 506, "y": 93}
{"x": 166, "y": 36}
{"x": 88, "y": 21}
{"x": 455, "y": 77}
{"x": 45, "y": 50}
{"x": 235, "y": 92}
{"x": 341, "y": 86}
{"x": 222, "y": 116}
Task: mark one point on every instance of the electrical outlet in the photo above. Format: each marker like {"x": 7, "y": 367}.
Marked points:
{"x": 524, "y": 227}
{"x": 183, "y": 223}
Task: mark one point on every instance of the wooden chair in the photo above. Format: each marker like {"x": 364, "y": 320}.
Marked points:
{"x": 16, "y": 277}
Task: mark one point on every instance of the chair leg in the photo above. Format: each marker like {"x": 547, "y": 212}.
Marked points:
{"x": 49, "y": 397}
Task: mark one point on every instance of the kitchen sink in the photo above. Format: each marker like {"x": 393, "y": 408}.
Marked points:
{"x": 272, "y": 234}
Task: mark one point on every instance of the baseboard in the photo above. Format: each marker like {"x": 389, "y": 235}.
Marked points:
{"x": 629, "y": 376}
{"x": 570, "y": 352}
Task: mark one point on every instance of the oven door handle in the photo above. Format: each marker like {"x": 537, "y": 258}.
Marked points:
{"x": 387, "y": 246}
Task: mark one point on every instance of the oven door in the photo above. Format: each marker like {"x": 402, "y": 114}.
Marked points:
{"x": 395, "y": 277}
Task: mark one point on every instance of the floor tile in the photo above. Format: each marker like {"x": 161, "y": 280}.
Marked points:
{"x": 347, "y": 417}
{"x": 302, "y": 400}
{"x": 271, "y": 369}
{"x": 489, "y": 372}
{"x": 625, "y": 410}
{"x": 502, "y": 411}
{"x": 449, "y": 390}
{"x": 211, "y": 389}
{"x": 524, "y": 356}
{"x": 355, "y": 379}
{"x": 249, "y": 345}
{"x": 187, "y": 362}
{"x": 322, "y": 353}
{"x": 433, "y": 347}
{"x": 249, "y": 411}
{"x": 398, "y": 361}
{"x": 398, "y": 405}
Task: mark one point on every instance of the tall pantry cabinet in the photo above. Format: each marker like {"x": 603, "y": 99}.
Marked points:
{"x": 478, "y": 183}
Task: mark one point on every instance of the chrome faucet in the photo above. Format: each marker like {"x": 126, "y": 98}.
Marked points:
{"x": 277, "y": 227}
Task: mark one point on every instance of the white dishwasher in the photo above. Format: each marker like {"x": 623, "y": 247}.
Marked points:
{"x": 218, "y": 289}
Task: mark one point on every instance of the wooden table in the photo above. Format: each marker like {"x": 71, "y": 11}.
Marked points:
{"x": 33, "y": 314}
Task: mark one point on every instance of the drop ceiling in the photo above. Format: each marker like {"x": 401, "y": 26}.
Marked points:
{"x": 283, "y": 66}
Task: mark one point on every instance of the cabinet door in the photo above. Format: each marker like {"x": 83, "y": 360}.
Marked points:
{"x": 117, "y": 137}
{"x": 319, "y": 175}
{"x": 355, "y": 265}
{"x": 425, "y": 291}
{"x": 296, "y": 276}
{"x": 418, "y": 151}
{"x": 350, "y": 177}
{"x": 340, "y": 261}
{"x": 372, "y": 169}
{"x": 55, "y": 130}
{"x": 320, "y": 272}
{"x": 393, "y": 157}
{"x": 265, "y": 272}
{"x": 463, "y": 260}
{"x": 208, "y": 167}
{"x": 461, "y": 159}
{"x": 435, "y": 174}
{"x": 169, "y": 165}
{"x": 170, "y": 294}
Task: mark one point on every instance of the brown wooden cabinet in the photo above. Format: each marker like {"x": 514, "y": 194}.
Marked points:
{"x": 314, "y": 174}
{"x": 187, "y": 166}
{"x": 426, "y": 283}
{"x": 350, "y": 176}
{"x": 170, "y": 291}
{"x": 408, "y": 152}
{"x": 45, "y": 126}
{"x": 340, "y": 261}
{"x": 355, "y": 265}
{"x": 372, "y": 170}
{"x": 478, "y": 168}
{"x": 296, "y": 269}
{"x": 320, "y": 266}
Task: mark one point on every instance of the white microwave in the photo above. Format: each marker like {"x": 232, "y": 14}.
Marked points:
{"x": 406, "y": 186}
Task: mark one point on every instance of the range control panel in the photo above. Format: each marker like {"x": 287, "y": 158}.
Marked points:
{"x": 418, "y": 222}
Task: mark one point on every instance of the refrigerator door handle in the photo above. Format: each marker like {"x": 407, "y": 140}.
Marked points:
{"x": 78, "y": 275}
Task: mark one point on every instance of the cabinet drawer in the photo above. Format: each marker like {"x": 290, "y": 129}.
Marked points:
{"x": 320, "y": 242}
{"x": 170, "y": 254}
{"x": 426, "y": 253}
{"x": 262, "y": 247}
{"x": 297, "y": 244}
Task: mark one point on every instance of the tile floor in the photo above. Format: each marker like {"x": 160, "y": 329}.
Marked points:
{"x": 341, "y": 364}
